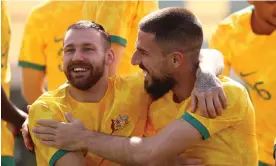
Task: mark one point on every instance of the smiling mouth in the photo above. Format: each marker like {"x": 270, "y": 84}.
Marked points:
{"x": 79, "y": 69}
{"x": 145, "y": 73}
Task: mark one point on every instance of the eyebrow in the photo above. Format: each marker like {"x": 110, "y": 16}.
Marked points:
{"x": 141, "y": 49}
{"x": 85, "y": 44}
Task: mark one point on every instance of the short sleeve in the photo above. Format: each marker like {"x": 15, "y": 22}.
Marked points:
{"x": 237, "y": 110}
{"x": 145, "y": 8}
{"x": 220, "y": 41}
{"x": 32, "y": 47}
{"x": 42, "y": 110}
{"x": 115, "y": 16}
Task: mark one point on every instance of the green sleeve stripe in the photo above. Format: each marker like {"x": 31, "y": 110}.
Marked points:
{"x": 57, "y": 156}
{"x": 274, "y": 155}
{"x": 199, "y": 126}
{"x": 119, "y": 40}
{"x": 31, "y": 65}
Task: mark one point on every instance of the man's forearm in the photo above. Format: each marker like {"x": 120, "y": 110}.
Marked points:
{"x": 211, "y": 61}
{"x": 10, "y": 113}
{"x": 117, "y": 149}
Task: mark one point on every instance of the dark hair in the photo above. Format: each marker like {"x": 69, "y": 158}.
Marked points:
{"x": 175, "y": 29}
{"x": 83, "y": 24}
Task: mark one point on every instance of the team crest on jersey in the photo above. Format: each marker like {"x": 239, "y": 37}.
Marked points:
{"x": 119, "y": 122}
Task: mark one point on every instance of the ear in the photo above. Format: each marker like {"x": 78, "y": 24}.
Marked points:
{"x": 110, "y": 57}
{"x": 176, "y": 59}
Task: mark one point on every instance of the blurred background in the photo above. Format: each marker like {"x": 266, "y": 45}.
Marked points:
{"x": 210, "y": 14}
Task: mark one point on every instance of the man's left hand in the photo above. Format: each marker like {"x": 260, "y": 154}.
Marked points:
{"x": 209, "y": 95}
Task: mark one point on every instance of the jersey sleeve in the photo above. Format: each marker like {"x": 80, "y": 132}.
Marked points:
{"x": 238, "y": 107}
{"x": 115, "y": 16}
{"x": 5, "y": 44}
{"x": 43, "y": 110}
{"x": 32, "y": 47}
{"x": 220, "y": 41}
{"x": 145, "y": 8}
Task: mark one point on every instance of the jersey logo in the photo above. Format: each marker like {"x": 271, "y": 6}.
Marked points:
{"x": 119, "y": 123}
{"x": 57, "y": 40}
{"x": 263, "y": 93}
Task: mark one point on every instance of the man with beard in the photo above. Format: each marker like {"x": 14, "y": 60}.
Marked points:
{"x": 115, "y": 106}
{"x": 89, "y": 95}
{"x": 168, "y": 48}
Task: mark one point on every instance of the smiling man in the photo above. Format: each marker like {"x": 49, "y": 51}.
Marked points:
{"x": 168, "y": 48}
{"x": 114, "y": 106}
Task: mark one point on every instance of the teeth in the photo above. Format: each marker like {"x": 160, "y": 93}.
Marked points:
{"x": 145, "y": 73}
{"x": 79, "y": 69}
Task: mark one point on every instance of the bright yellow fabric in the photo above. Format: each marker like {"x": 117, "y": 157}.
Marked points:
{"x": 42, "y": 42}
{"x": 120, "y": 19}
{"x": 7, "y": 140}
{"x": 253, "y": 58}
{"x": 122, "y": 112}
{"x": 229, "y": 139}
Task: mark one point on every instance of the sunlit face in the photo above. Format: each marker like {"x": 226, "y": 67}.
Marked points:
{"x": 265, "y": 12}
{"x": 84, "y": 57}
{"x": 150, "y": 58}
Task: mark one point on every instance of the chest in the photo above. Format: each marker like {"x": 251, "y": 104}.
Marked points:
{"x": 255, "y": 64}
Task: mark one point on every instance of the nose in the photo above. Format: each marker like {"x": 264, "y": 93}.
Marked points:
{"x": 136, "y": 59}
{"x": 78, "y": 56}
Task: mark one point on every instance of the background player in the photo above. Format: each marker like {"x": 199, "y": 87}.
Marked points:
{"x": 249, "y": 36}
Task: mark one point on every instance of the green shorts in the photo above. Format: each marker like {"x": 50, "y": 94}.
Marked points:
{"x": 7, "y": 161}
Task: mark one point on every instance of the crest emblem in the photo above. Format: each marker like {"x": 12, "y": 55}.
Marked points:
{"x": 119, "y": 122}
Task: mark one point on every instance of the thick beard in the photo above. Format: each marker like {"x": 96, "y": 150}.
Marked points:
{"x": 159, "y": 88}
{"x": 94, "y": 76}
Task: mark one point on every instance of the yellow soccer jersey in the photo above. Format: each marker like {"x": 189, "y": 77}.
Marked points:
{"x": 122, "y": 112}
{"x": 7, "y": 140}
{"x": 120, "y": 19}
{"x": 228, "y": 140}
{"x": 253, "y": 58}
{"x": 42, "y": 42}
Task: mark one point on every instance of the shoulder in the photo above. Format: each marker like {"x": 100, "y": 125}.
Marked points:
{"x": 49, "y": 100}
{"x": 236, "y": 94}
{"x": 234, "y": 23}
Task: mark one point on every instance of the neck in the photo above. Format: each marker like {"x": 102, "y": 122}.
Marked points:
{"x": 260, "y": 27}
{"x": 184, "y": 86}
{"x": 93, "y": 95}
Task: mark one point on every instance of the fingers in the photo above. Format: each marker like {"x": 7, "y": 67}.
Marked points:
{"x": 49, "y": 143}
{"x": 45, "y": 137}
{"x": 223, "y": 99}
{"x": 26, "y": 136}
{"x": 69, "y": 117}
{"x": 27, "y": 139}
{"x": 44, "y": 130}
{"x": 28, "y": 107}
{"x": 190, "y": 161}
{"x": 210, "y": 106}
{"x": 217, "y": 104}
{"x": 48, "y": 123}
{"x": 202, "y": 105}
